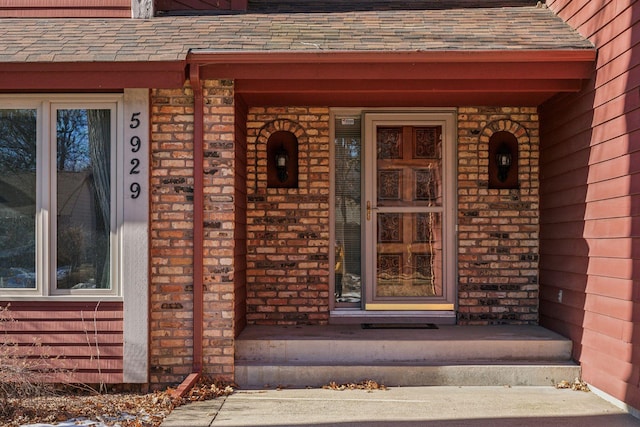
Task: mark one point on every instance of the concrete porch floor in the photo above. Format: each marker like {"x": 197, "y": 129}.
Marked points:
{"x": 299, "y": 356}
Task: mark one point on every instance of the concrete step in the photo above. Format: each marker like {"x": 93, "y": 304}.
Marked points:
{"x": 299, "y": 356}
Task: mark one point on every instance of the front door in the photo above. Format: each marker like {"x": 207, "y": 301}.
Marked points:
{"x": 408, "y": 244}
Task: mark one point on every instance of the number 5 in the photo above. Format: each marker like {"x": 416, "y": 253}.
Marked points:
{"x": 135, "y": 121}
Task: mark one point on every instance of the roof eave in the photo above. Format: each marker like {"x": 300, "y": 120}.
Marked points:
{"x": 203, "y": 56}
{"x": 87, "y": 76}
{"x": 523, "y": 64}
{"x": 398, "y": 77}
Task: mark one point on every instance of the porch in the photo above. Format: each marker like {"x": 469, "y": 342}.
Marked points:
{"x": 304, "y": 355}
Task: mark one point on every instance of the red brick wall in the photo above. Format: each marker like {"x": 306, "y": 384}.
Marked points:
{"x": 498, "y": 228}
{"x": 498, "y": 237}
{"x": 288, "y": 229}
{"x": 219, "y": 227}
{"x": 172, "y": 195}
{"x": 589, "y": 193}
{"x": 240, "y": 254}
{"x": 171, "y": 189}
{"x": 266, "y": 250}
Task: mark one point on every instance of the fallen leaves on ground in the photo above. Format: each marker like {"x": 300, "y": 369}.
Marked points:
{"x": 368, "y": 385}
{"x": 576, "y": 385}
{"x": 121, "y": 409}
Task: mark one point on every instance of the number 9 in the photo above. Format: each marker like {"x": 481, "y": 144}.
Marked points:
{"x": 135, "y": 144}
{"x": 135, "y": 190}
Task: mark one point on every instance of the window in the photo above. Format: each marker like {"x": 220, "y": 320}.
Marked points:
{"x": 59, "y": 213}
{"x": 347, "y": 215}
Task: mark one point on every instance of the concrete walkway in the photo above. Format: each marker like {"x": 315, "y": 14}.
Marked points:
{"x": 404, "y": 407}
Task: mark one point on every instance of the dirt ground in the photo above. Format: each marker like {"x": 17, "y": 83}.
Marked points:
{"x": 123, "y": 409}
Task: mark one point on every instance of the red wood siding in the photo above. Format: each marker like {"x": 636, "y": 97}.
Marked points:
{"x": 590, "y": 205}
{"x": 65, "y": 8}
{"x": 84, "y": 339}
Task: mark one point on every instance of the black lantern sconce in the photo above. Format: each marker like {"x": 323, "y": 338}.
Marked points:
{"x": 282, "y": 160}
{"x": 503, "y": 160}
{"x": 282, "y": 157}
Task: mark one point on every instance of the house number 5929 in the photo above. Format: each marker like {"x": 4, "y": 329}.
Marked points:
{"x": 135, "y": 144}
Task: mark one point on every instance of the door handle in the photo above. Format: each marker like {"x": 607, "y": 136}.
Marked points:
{"x": 369, "y": 209}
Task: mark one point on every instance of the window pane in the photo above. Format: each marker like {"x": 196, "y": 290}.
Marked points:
{"x": 83, "y": 199}
{"x": 17, "y": 198}
{"x": 347, "y": 211}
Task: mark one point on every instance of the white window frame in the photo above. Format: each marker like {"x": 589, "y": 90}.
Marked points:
{"x": 129, "y": 217}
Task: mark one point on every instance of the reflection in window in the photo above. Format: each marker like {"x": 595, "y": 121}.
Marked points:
{"x": 347, "y": 169}
{"x": 83, "y": 176}
{"x": 409, "y": 255}
{"x": 17, "y": 198}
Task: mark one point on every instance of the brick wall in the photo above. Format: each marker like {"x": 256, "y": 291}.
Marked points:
{"x": 171, "y": 243}
{"x": 498, "y": 228}
{"x": 285, "y": 231}
{"x": 498, "y": 234}
{"x": 219, "y": 227}
{"x": 171, "y": 190}
{"x": 288, "y": 228}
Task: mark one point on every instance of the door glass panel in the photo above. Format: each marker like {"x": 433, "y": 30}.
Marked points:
{"x": 83, "y": 175}
{"x": 347, "y": 169}
{"x": 17, "y": 198}
{"x": 409, "y": 167}
{"x": 408, "y": 211}
{"x": 409, "y": 255}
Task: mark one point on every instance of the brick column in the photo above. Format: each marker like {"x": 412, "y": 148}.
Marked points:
{"x": 172, "y": 232}
{"x": 171, "y": 190}
{"x": 219, "y": 228}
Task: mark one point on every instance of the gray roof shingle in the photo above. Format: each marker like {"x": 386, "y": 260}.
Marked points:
{"x": 169, "y": 38}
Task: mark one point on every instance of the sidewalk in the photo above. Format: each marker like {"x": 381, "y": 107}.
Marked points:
{"x": 405, "y": 407}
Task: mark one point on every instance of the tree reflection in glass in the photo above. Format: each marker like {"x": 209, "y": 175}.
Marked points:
{"x": 83, "y": 141}
{"x": 17, "y": 198}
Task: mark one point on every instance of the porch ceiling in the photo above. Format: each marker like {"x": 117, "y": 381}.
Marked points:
{"x": 441, "y": 78}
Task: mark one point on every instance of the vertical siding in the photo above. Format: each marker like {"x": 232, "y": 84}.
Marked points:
{"x": 81, "y": 341}
{"x": 65, "y": 8}
{"x": 590, "y": 165}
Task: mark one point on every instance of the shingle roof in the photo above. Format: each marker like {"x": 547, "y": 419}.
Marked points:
{"x": 170, "y": 38}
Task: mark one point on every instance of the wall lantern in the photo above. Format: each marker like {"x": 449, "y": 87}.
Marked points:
{"x": 503, "y": 160}
{"x": 282, "y": 157}
{"x": 282, "y": 160}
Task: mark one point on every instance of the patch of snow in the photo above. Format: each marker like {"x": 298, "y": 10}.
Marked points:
{"x": 75, "y": 422}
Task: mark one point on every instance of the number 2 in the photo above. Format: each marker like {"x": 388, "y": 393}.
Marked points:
{"x": 135, "y": 164}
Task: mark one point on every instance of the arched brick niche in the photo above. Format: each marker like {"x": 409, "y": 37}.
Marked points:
{"x": 282, "y": 160}
{"x": 274, "y": 137}
{"x": 503, "y": 139}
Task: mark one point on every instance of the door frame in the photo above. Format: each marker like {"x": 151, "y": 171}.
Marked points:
{"x": 445, "y": 306}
